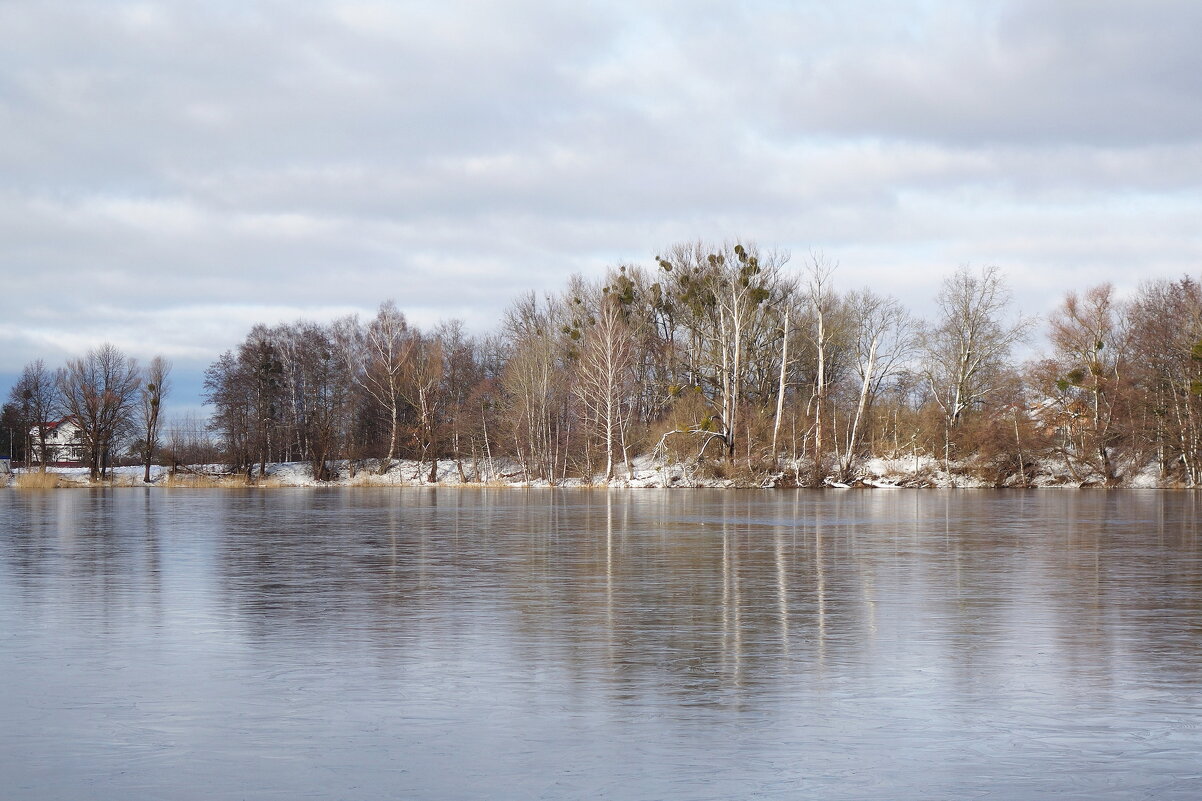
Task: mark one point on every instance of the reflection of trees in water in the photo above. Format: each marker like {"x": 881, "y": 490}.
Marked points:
{"x": 1074, "y": 588}
{"x": 981, "y": 586}
{"x": 363, "y": 567}
{"x": 703, "y": 587}
{"x": 701, "y": 595}
{"x": 96, "y": 551}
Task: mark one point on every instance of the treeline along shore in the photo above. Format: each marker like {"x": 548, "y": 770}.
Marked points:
{"x": 720, "y": 365}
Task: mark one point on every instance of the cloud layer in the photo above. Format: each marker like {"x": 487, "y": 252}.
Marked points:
{"x": 172, "y": 172}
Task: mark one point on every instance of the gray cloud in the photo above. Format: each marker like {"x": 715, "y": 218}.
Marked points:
{"x": 171, "y": 172}
{"x": 1036, "y": 73}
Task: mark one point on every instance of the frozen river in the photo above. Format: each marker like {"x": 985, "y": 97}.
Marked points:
{"x": 681, "y": 644}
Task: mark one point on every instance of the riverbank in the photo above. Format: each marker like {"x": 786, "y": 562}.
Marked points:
{"x": 901, "y": 473}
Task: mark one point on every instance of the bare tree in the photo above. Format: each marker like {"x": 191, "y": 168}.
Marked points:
{"x": 1090, "y": 356}
{"x": 967, "y": 350}
{"x": 604, "y": 377}
{"x": 378, "y": 356}
{"x": 461, "y": 376}
{"x": 533, "y": 380}
{"x": 246, "y": 389}
{"x": 153, "y": 390}
{"x": 421, "y": 385}
{"x": 319, "y": 387}
{"x": 231, "y": 419}
{"x": 883, "y": 341}
{"x": 722, "y": 298}
{"x": 37, "y": 396}
{"x": 782, "y": 383}
{"x": 822, "y": 300}
{"x": 99, "y": 391}
{"x": 188, "y": 443}
{"x": 1166, "y": 356}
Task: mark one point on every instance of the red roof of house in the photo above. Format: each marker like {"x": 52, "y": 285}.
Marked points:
{"x": 50, "y": 425}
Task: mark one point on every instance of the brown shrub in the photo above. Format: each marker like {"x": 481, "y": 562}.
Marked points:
{"x": 38, "y": 480}
{"x": 689, "y": 411}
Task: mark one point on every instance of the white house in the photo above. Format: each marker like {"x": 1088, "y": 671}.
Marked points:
{"x": 64, "y": 443}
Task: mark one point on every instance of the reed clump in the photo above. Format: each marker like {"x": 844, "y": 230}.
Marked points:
{"x": 38, "y": 479}
{"x": 195, "y": 481}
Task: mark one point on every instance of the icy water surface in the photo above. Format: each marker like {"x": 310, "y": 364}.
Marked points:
{"x": 683, "y": 644}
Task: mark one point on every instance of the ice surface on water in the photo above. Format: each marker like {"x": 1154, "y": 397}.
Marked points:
{"x": 516, "y": 644}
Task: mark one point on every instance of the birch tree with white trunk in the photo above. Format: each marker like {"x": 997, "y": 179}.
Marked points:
{"x": 604, "y": 378}
{"x": 820, "y": 295}
{"x": 377, "y": 355}
{"x": 883, "y": 343}
{"x": 421, "y": 387}
{"x": 723, "y": 297}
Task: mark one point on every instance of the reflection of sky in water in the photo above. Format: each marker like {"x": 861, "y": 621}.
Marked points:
{"x": 576, "y": 644}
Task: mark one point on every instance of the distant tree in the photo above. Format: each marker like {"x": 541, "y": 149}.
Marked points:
{"x": 488, "y": 402}
{"x": 966, "y": 352}
{"x": 246, "y": 390}
{"x": 1165, "y": 343}
{"x": 421, "y": 385}
{"x": 99, "y": 390}
{"x": 883, "y": 339}
{"x": 646, "y": 313}
{"x": 230, "y": 420}
{"x": 318, "y": 383}
{"x": 604, "y": 378}
{"x": 14, "y": 429}
{"x": 721, "y": 298}
{"x": 823, "y": 304}
{"x": 260, "y": 377}
{"x": 37, "y": 395}
{"x": 153, "y": 390}
{"x": 1090, "y": 382}
{"x": 377, "y": 355}
{"x": 462, "y": 376}
{"x": 187, "y": 441}
{"x": 533, "y": 383}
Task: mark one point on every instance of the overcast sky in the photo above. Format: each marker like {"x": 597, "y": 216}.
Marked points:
{"x": 171, "y": 173}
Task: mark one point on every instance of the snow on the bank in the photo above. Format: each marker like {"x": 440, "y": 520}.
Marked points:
{"x": 130, "y": 475}
{"x": 643, "y": 472}
{"x": 1148, "y": 478}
